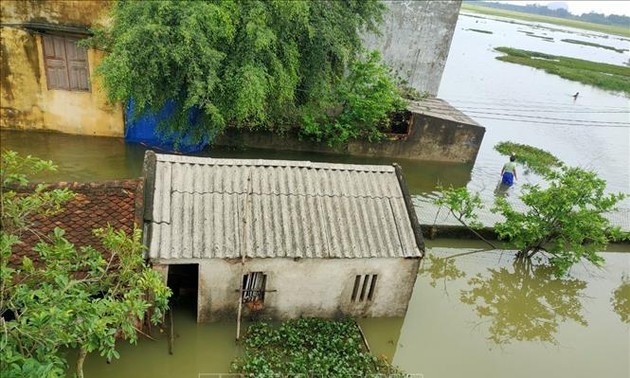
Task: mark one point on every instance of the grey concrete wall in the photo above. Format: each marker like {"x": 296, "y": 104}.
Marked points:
{"x": 306, "y": 287}
{"x": 429, "y": 138}
{"x": 416, "y": 38}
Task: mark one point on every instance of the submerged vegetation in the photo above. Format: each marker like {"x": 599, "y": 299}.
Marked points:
{"x": 481, "y": 31}
{"x": 309, "y": 347}
{"x": 534, "y": 159}
{"x": 585, "y": 43}
{"x": 600, "y": 75}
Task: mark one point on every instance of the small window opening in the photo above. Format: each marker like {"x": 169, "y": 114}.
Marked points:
{"x": 372, "y": 286}
{"x": 364, "y": 287}
{"x": 66, "y": 63}
{"x": 355, "y": 290}
{"x": 254, "y": 287}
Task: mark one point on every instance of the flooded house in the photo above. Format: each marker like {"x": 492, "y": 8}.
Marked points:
{"x": 282, "y": 239}
{"x": 116, "y": 203}
{"x": 47, "y": 79}
{"x": 48, "y": 82}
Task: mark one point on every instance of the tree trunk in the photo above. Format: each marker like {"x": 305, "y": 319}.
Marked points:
{"x": 460, "y": 220}
{"x": 82, "y": 355}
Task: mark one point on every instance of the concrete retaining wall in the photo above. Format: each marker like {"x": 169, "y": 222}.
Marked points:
{"x": 437, "y": 132}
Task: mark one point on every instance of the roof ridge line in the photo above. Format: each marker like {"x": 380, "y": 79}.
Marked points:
{"x": 289, "y": 194}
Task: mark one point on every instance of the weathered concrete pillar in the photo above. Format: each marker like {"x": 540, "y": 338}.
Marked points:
{"x": 415, "y": 40}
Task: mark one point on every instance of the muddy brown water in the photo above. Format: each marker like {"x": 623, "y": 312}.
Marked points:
{"x": 477, "y": 309}
{"x": 474, "y": 315}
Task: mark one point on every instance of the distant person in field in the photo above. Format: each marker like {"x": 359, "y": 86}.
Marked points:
{"x": 508, "y": 173}
{"x": 575, "y": 96}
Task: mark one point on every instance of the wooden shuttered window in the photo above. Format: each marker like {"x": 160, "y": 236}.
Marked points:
{"x": 66, "y": 63}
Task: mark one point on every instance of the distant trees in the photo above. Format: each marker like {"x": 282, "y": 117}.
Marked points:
{"x": 594, "y": 17}
{"x": 66, "y": 297}
{"x": 264, "y": 65}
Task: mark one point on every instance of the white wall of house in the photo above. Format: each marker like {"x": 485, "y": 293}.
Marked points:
{"x": 305, "y": 287}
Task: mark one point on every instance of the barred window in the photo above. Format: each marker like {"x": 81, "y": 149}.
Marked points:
{"x": 254, "y": 287}
{"x": 364, "y": 287}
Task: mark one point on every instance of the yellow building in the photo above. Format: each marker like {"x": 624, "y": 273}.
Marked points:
{"x": 47, "y": 82}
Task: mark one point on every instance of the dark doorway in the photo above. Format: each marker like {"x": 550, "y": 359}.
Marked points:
{"x": 183, "y": 280}
{"x": 400, "y": 122}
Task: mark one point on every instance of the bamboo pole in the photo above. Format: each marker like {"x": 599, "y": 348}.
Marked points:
{"x": 243, "y": 242}
{"x": 171, "y": 326}
{"x": 238, "y": 316}
{"x": 365, "y": 342}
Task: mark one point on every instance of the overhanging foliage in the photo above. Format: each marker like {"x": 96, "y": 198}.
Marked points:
{"x": 244, "y": 64}
{"x": 66, "y": 297}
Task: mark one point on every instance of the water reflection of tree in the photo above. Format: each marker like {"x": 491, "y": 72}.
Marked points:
{"x": 441, "y": 268}
{"x": 527, "y": 304}
{"x": 621, "y": 299}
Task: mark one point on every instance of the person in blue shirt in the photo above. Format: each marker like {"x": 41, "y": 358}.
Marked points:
{"x": 508, "y": 173}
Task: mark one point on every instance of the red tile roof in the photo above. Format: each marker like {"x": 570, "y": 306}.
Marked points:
{"x": 96, "y": 204}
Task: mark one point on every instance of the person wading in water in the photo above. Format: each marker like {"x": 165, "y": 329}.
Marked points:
{"x": 508, "y": 173}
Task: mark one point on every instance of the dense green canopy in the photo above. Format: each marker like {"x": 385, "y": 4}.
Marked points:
{"x": 255, "y": 64}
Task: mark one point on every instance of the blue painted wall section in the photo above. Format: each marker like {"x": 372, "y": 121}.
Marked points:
{"x": 143, "y": 129}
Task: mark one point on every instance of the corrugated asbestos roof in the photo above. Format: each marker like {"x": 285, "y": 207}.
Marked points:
{"x": 222, "y": 208}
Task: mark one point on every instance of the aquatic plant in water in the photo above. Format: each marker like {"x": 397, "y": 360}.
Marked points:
{"x": 308, "y": 347}
{"x": 600, "y": 75}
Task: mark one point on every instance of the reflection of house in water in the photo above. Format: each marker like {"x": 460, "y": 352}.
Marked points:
{"x": 293, "y": 238}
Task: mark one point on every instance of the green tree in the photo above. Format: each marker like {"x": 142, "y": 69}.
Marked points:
{"x": 561, "y": 219}
{"x": 564, "y": 221}
{"x": 365, "y": 99}
{"x": 463, "y": 206}
{"x": 66, "y": 297}
{"x": 244, "y": 64}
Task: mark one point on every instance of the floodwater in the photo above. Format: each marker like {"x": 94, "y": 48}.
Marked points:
{"x": 84, "y": 158}
{"x": 525, "y": 105}
{"x": 472, "y": 314}
{"x": 475, "y": 314}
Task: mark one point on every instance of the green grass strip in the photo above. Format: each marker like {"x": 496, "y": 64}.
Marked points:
{"x": 610, "y": 29}
{"x": 533, "y": 158}
{"x": 600, "y": 75}
{"x": 578, "y": 42}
